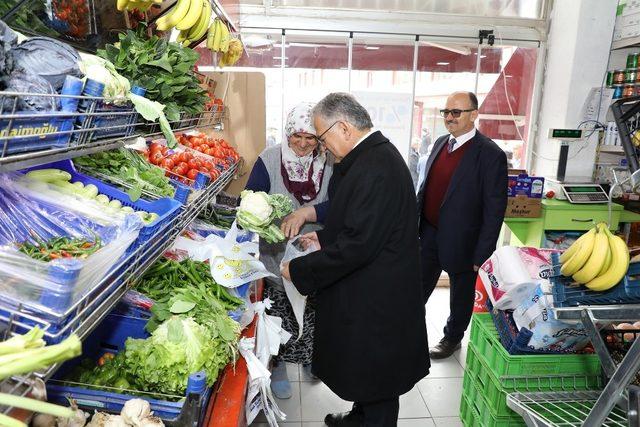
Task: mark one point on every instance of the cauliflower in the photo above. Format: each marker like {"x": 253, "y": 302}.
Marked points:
{"x": 256, "y": 204}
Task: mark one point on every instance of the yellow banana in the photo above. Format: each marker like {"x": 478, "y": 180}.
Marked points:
{"x": 192, "y": 16}
{"x": 218, "y": 36}
{"x": 592, "y": 267}
{"x": 564, "y": 256}
{"x": 618, "y": 268}
{"x": 607, "y": 262}
{"x": 226, "y": 38}
{"x": 121, "y": 5}
{"x": 581, "y": 256}
{"x": 200, "y": 29}
{"x": 175, "y": 15}
{"x": 211, "y": 35}
{"x": 182, "y": 36}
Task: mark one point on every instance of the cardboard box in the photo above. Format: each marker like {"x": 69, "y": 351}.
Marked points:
{"x": 525, "y": 185}
{"x": 521, "y": 206}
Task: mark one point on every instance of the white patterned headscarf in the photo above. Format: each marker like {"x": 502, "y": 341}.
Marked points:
{"x": 302, "y": 175}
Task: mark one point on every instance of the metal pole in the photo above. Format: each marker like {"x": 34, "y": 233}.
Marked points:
{"x": 282, "y": 67}
{"x": 350, "y": 58}
{"x": 416, "y": 45}
{"x": 478, "y": 59}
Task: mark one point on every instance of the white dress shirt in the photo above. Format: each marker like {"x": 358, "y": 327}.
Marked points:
{"x": 462, "y": 138}
{"x": 365, "y": 137}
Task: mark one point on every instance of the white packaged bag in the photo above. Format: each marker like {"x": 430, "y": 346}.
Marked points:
{"x": 298, "y": 301}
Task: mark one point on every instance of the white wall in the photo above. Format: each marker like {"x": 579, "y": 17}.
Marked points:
{"x": 578, "y": 51}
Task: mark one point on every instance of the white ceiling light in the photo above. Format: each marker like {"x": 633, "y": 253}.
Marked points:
{"x": 442, "y": 63}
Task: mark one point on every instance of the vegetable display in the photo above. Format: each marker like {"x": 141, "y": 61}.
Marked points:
{"x": 258, "y": 210}
{"x": 182, "y": 166}
{"x": 61, "y": 247}
{"x": 101, "y": 70}
{"x": 164, "y": 69}
{"x": 128, "y": 166}
{"x": 217, "y": 148}
{"x": 61, "y": 181}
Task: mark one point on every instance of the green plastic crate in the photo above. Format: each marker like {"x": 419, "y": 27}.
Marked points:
{"x": 470, "y": 411}
{"x": 495, "y": 389}
{"x": 487, "y": 344}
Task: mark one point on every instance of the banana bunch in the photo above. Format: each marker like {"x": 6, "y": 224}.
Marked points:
{"x": 218, "y": 36}
{"x": 141, "y": 5}
{"x": 598, "y": 259}
{"x": 188, "y": 16}
{"x": 233, "y": 54}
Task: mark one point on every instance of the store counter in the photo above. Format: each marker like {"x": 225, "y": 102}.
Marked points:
{"x": 560, "y": 215}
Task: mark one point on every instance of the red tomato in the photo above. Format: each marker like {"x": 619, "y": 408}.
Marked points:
{"x": 192, "y": 174}
{"x": 180, "y": 170}
{"x": 204, "y": 170}
{"x": 213, "y": 175}
{"x": 168, "y": 164}
{"x": 155, "y": 146}
{"x": 184, "y": 165}
{"x": 156, "y": 158}
{"x": 193, "y": 164}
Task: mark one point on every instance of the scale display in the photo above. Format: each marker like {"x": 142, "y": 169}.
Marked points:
{"x": 588, "y": 193}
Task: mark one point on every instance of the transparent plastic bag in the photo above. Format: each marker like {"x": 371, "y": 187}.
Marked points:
{"x": 52, "y": 254}
{"x": 298, "y": 301}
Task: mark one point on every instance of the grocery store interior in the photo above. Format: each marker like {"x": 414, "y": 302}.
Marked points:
{"x": 232, "y": 213}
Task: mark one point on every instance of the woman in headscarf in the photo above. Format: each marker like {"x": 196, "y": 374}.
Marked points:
{"x": 299, "y": 168}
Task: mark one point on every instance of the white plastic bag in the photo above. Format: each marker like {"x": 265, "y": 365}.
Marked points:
{"x": 257, "y": 352}
{"x": 298, "y": 301}
{"x": 232, "y": 263}
{"x": 512, "y": 273}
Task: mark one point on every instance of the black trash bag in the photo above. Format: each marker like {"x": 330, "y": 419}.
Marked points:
{"x": 20, "y": 81}
{"x": 48, "y": 58}
{"x": 8, "y": 40}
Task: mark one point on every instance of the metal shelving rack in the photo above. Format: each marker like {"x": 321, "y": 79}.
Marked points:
{"x": 89, "y": 311}
{"x": 606, "y": 407}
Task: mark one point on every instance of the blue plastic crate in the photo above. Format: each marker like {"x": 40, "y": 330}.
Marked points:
{"x": 125, "y": 122}
{"x": 167, "y": 209}
{"x": 513, "y": 340}
{"x": 39, "y": 128}
{"x": 566, "y": 293}
{"x": 111, "y": 337}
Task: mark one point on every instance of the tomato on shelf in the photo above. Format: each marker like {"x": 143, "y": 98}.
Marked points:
{"x": 218, "y": 148}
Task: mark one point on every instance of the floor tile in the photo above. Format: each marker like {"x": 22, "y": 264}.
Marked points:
{"x": 412, "y": 405}
{"x": 446, "y": 368}
{"x": 293, "y": 372}
{"x": 442, "y": 395}
{"x": 291, "y": 407}
{"x": 448, "y": 422}
{"x": 416, "y": 422}
{"x": 318, "y": 401}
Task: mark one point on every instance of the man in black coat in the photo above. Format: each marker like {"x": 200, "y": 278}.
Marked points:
{"x": 370, "y": 342}
{"x": 461, "y": 206}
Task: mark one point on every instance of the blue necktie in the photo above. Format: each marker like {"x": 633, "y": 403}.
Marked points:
{"x": 452, "y": 143}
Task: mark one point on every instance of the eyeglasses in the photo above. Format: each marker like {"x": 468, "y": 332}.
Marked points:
{"x": 455, "y": 113}
{"x": 322, "y": 141}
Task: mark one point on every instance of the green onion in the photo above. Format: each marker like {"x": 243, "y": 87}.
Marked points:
{"x": 10, "y": 422}
{"x": 32, "y": 339}
{"x": 32, "y": 360}
{"x": 35, "y": 405}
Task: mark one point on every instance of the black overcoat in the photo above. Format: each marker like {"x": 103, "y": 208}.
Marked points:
{"x": 370, "y": 336}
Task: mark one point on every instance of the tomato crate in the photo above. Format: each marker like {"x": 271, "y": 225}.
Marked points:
{"x": 473, "y": 413}
{"x": 569, "y": 294}
{"x": 495, "y": 389}
{"x": 166, "y": 209}
{"x": 110, "y": 337}
{"x": 486, "y": 341}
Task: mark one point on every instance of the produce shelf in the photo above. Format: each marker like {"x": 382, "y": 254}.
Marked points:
{"x": 87, "y": 313}
{"x": 561, "y": 408}
{"x": 34, "y": 138}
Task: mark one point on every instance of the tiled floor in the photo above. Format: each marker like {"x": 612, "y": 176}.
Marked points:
{"x": 434, "y": 401}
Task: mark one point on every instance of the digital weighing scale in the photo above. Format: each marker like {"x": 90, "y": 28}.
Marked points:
{"x": 577, "y": 192}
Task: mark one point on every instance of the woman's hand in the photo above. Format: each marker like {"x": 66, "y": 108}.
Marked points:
{"x": 293, "y": 222}
{"x": 309, "y": 239}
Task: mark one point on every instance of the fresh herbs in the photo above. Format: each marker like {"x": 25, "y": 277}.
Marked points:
{"x": 129, "y": 166}
{"x": 61, "y": 247}
{"x": 164, "y": 69}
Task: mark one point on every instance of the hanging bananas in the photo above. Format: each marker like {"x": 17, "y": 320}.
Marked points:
{"x": 141, "y": 5}
{"x": 219, "y": 39}
{"x": 191, "y": 17}
{"x": 598, "y": 259}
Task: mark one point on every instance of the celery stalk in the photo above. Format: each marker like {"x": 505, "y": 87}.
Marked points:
{"x": 32, "y": 339}
{"x": 35, "y": 405}
{"x": 32, "y": 360}
{"x": 10, "y": 422}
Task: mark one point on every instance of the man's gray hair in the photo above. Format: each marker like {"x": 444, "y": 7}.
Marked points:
{"x": 343, "y": 106}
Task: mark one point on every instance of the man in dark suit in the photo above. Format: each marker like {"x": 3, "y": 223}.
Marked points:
{"x": 370, "y": 343}
{"x": 461, "y": 206}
